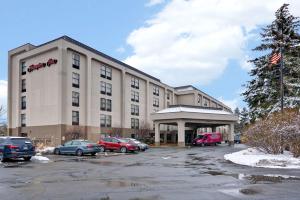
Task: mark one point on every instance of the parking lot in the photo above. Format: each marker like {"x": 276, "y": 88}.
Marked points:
{"x": 159, "y": 173}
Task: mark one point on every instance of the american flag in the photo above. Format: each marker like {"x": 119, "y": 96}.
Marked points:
{"x": 275, "y": 58}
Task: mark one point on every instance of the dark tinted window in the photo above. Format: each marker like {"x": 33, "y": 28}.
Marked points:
{"x": 107, "y": 139}
{"x": 20, "y": 141}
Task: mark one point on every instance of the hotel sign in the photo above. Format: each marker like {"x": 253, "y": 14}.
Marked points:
{"x": 50, "y": 62}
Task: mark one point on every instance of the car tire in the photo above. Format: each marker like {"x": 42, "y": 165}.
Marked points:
{"x": 93, "y": 154}
{"x": 123, "y": 150}
{"x": 27, "y": 158}
{"x": 201, "y": 144}
{"x": 79, "y": 152}
{"x": 102, "y": 149}
{"x": 56, "y": 151}
{"x": 4, "y": 159}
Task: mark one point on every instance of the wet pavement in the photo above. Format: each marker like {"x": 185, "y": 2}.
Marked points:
{"x": 160, "y": 173}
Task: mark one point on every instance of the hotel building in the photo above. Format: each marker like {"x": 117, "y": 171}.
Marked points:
{"x": 63, "y": 85}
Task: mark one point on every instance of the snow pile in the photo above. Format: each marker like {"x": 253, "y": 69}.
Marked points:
{"x": 45, "y": 150}
{"x": 255, "y": 158}
{"x": 40, "y": 159}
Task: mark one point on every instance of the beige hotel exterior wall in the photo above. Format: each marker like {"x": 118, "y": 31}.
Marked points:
{"x": 49, "y": 92}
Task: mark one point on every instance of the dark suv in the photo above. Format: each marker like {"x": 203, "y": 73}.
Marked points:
{"x": 16, "y": 147}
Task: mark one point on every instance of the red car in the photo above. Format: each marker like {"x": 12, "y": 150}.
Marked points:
{"x": 112, "y": 143}
{"x": 208, "y": 139}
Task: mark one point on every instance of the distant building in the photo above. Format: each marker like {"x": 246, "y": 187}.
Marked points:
{"x": 62, "y": 85}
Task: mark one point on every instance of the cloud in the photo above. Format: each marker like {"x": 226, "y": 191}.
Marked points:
{"x": 191, "y": 42}
{"x": 154, "y": 2}
{"x": 120, "y": 49}
{"x": 232, "y": 103}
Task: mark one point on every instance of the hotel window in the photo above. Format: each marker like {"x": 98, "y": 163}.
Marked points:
{"x": 105, "y": 120}
{"x": 23, "y": 102}
{"x": 75, "y": 117}
{"x": 23, "y": 86}
{"x": 135, "y": 110}
{"x": 135, "y": 96}
{"x": 156, "y": 90}
{"x": 205, "y": 103}
{"x": 134, "y": 123}
{"x": 75, "y": 99}
{"x": 106, "y": 72}
{"x": 199, "y": 99}
{"x": 23, "y": 120}
{"x": 75, "y": 60}
{"x": 135, "y": 83}
{"x": 168, "y": 95}
{"x": 105, "y": 104}
{"x": 155, "y": 102}
{"x": 106, "y": 88}
{"x": 23, "y": 68}
{"x": 75, "y": 80}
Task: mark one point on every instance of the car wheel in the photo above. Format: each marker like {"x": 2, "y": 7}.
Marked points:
{"x": 79, "y": 152}
{"x": 102, "y": 148}
{"x": 93, "y": 154}
{"x": 3, "y": 159}
{"x": 27, "y": 158}
{"x": 139, "y": 149}
{"x": 123, "y": 149}
{"x": 56, "y": 151}
{"x": 201, "y": 145}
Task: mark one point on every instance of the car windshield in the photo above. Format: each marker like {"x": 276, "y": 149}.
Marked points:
{"x": 20, "y": 141}
{"x": 200, "y": 136}
{"x": 123, "y": 140}
{"x": 86, "y": 142}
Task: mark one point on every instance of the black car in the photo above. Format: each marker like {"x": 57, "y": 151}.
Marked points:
{"x": 16, "y": 147}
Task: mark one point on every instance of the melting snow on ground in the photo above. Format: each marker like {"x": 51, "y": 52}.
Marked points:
{"x": 40, "y": 159}
{"x": 255, "y": 158}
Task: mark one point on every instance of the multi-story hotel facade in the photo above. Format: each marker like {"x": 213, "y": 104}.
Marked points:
{"x": 64, "y": 84}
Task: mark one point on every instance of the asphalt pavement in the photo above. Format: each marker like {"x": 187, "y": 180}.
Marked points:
{"x": 159, "y": 173}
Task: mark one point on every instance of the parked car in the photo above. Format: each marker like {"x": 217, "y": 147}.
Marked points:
{"x": 237, "y": 138}
{"x": 77, "y": 147}
{"x": 207, "y": 139}
{"x": 16, "y": 147}
{"x": 141, "y": 146}
{"x": 112, "y": 144}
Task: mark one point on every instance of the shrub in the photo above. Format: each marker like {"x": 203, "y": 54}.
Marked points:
{"x": 276, "y": 133}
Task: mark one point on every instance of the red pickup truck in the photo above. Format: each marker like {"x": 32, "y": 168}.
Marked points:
{"x": 207, "y": 139}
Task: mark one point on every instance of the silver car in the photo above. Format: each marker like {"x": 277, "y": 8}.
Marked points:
{"x": 141, "y": 146}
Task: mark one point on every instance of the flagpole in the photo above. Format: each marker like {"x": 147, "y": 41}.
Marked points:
{"x": 281, "y": 79}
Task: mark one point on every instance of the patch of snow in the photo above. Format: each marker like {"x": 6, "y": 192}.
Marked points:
{"x": 255, "y": 158}
{"x": 45, "y": 150}
{"x": 40, "y": 159}
{"x": 194, "y": 110}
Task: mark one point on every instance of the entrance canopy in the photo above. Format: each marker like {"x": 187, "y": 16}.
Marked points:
{"x": 192, "y": 116}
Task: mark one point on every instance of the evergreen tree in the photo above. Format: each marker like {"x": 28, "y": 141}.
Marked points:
{"x": 263, "y": 91}
{"x": 244, "y": 119}
{"x": 237, "y": 126}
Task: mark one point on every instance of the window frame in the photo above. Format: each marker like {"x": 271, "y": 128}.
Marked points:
{"x": 155, "y": 90}
{"x": 75, "y": 60}
{"x": 23, "y": 85}
{"x": 135, "y": 82}
{"x": 23, "y": 68}
{"x": 135, "y": 123}
{"x": 106, "y": 72}
{"x": 23, "y": 102}
{"x": 135, "y": 110}
{"x": 156, "y": 102}
{"x": 75, "y": 97}
{"x": 75, "y": 117}
{"x": 75, "y": 80}
{"x": 23, "y": 120}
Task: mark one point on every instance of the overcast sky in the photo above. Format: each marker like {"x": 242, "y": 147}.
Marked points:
{"x": 199, "y": 42}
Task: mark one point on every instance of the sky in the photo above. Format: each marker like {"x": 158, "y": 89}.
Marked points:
{"x": 181, "y": 42}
